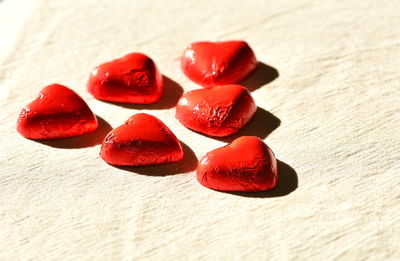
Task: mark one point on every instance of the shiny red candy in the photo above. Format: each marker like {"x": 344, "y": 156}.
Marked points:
{"x": 58, "y": 112}
{"x": 142, "y": 140}
{"x": 217, "y": 111}
{"x": 247, "y": 164}
{"x": 133, "y": 78}
{"x": 218, "y": 63}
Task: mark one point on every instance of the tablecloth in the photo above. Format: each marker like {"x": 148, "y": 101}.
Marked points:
{"x": 327, "y": 90}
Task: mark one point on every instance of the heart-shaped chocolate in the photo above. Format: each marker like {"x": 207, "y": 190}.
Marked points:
{"x": 217, "y": 111}
{"x": 58, "y": 112}
{"x": 142, "y": 140}
{"x": 247, "y": 164}
{"x": 133, "y": 78}
{"x": 218, "y": 63}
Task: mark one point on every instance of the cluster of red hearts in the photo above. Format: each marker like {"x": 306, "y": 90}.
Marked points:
{"x": 221, "y": 108}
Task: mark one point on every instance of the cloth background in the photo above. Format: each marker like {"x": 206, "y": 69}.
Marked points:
{"x": 328, "y": 96}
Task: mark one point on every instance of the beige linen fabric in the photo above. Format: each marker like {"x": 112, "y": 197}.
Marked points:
{"x": 331, "y": 116}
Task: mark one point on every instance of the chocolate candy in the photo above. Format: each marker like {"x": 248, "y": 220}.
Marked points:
{"x": 217, "y": 111}
{"x": 218, "y": 63}
{"x": 58, "y": 112}
{"x": 142, "y": 140}
{"x": 247, "y": 164}
{"x": 133, "y": 78}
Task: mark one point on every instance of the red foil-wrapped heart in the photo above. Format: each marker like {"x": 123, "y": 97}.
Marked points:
{"x": 58, "y": 112}
{"x": 217, "y": 111}
{"x": 218, "y": 63}
{"x": 247, "y": 164}
{"x": 142, "y": 140}
{"x": 133, "y": 78}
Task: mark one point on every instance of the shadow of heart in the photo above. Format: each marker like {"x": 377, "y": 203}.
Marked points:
{"x": 262, "y": 75}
